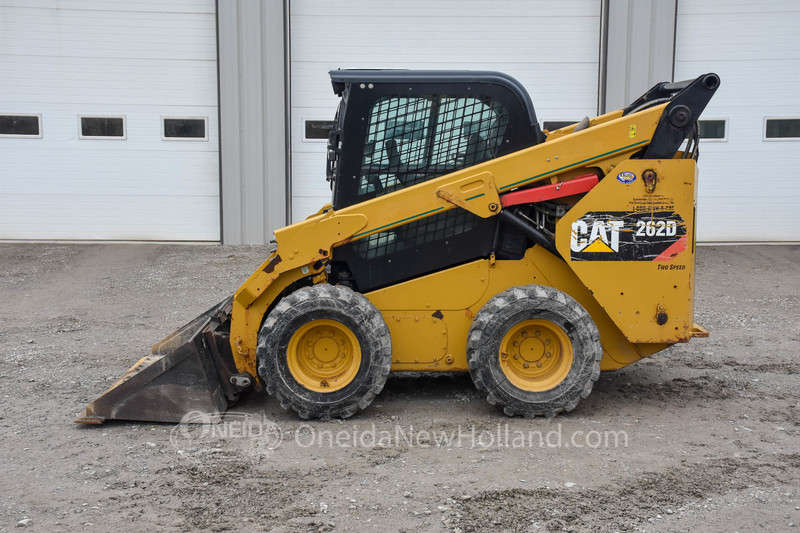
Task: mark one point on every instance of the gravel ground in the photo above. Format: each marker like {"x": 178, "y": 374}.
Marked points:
{"x": 703, "y": 436}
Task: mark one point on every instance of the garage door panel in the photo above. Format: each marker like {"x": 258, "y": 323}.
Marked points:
{"x": 108, "y": 33}
{"x": 308, "y": 205}
{"x": 748, "y": 187}
{"x": 82, "y": 180}
{"x": 167, "y": 6}
{"x": 749, "y": 87}
{"x": 310, "y": 177}
{"x": 493, "y": 54}
{"x": 738, "y": 220}
{"x": 417, "y": 49}
{"x": 442, "y": 10}
{"x": 106, "y": 81}
{"x": 737, "y": 7}
{"x": 113, "y": 59}
{"x": 157, "y": 217}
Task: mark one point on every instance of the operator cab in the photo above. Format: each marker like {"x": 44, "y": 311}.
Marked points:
{"x": 397, "y": 128}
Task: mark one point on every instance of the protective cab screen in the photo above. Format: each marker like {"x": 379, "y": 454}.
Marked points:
{"x": 414, "y": 139}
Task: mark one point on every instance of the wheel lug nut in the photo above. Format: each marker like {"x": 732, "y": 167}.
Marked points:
{"x": 539, "y": 365}
{"x": 547, "y": 354}
{"x": 516, "y": 356}
{"x": 547, "y": 341}
{"x": 524, "y": 333}
{"x": 526, "y": 365}
{"x": 537, "y": 333}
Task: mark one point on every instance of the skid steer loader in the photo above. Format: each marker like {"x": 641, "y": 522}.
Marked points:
{"x": 460, "y": 237}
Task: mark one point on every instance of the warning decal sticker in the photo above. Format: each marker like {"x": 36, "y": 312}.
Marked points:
{"x": 624, "y": 236}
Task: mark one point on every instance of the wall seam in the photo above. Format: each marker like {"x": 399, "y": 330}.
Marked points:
{"x": 219, "y": 133}
{"x": 240, "y": 145}
{"x": 674, "y": 39}
{"x": 263, "y": 12}
{"x": 628, "y": 36}
{"x": 287, "y": 88}
{"x": 602, "y": 69}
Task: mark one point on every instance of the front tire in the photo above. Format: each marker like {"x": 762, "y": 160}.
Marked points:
{"x": 534, "y": 350}
{"x": 324, "y": 352}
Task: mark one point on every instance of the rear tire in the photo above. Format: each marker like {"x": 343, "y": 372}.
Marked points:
{"x": 534, "y": 350}
{"x": 324, "y": 352}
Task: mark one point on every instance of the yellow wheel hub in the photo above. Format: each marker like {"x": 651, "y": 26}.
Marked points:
{"x": 324, "y": 355}
{"x": 536, "y": 355}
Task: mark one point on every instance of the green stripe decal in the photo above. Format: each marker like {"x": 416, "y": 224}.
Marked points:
{"x": 526, "y": 180}
{"x": 375, "y": 230}
{"x": 516, "y": 184}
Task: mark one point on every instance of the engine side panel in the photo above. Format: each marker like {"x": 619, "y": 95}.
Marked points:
{"x": 429, "y": 317}
{"x": 630, "y": 240}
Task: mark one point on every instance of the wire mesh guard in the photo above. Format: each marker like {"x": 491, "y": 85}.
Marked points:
{"x": 417, "y": 248}
{"x": 410, "y": 236}
{"x": 414, "y": 139}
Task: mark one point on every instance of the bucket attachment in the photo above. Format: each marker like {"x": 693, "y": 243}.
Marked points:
{"x": 188, "y": 371}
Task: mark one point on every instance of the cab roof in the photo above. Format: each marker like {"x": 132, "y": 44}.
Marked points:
{"x": 341, "y": 77}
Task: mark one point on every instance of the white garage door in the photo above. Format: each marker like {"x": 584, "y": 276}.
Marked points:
{"x": 108, "y": 120}
{"x": 551, "y": 47}
{"x": 749, "y": 188}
